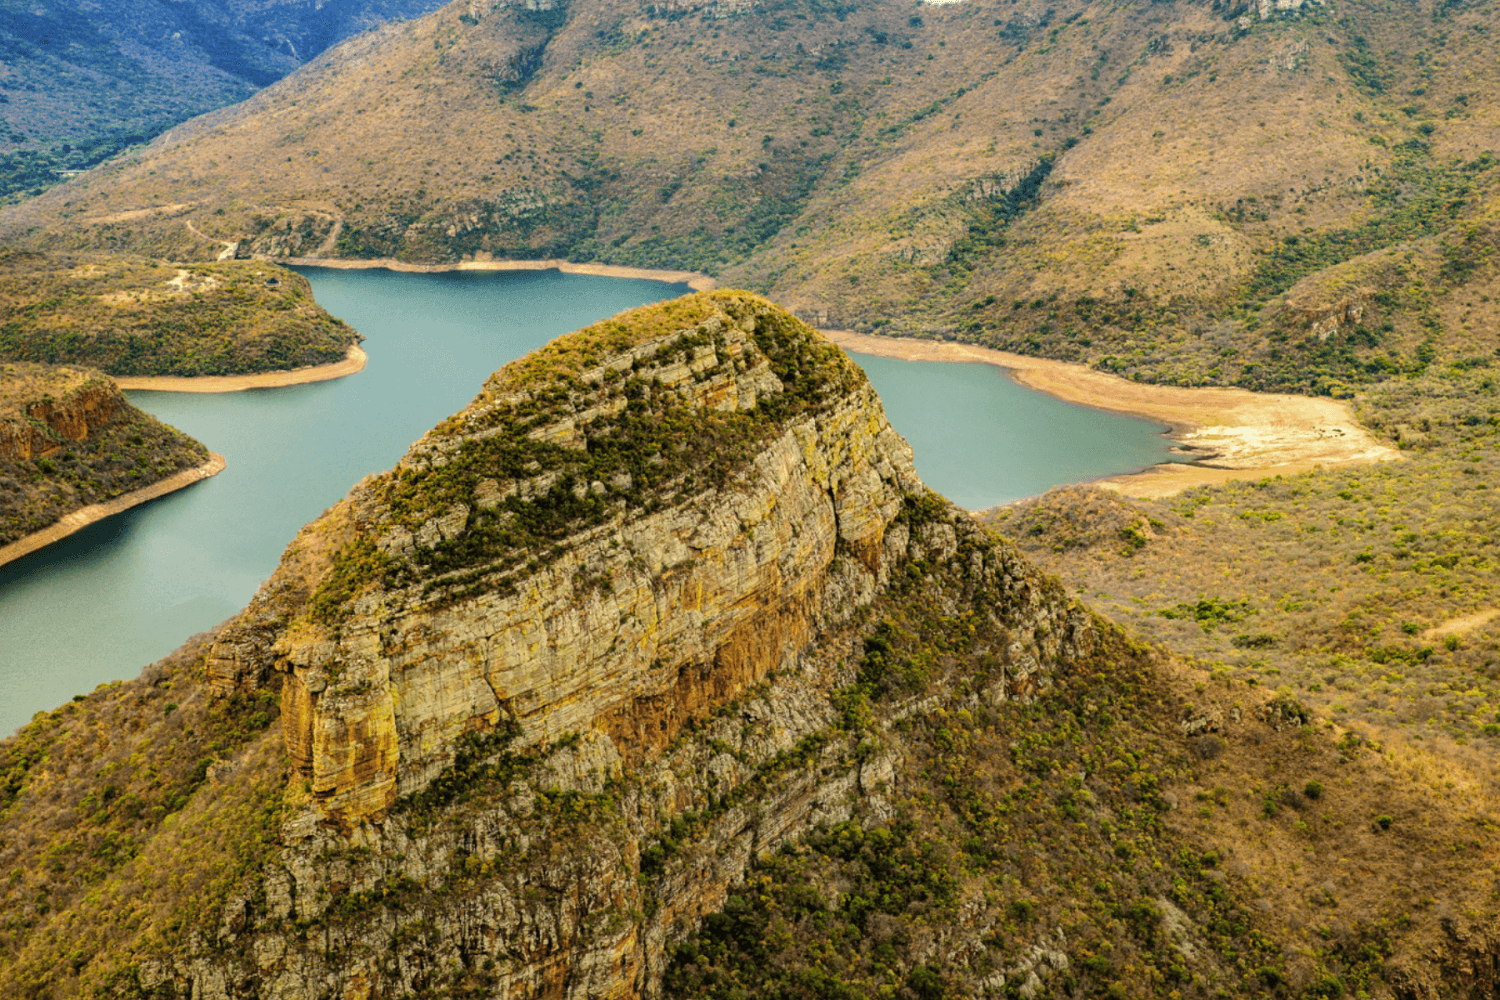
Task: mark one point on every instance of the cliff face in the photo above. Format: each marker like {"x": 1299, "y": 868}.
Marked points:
{"x": 513, "y": 663}
{"x": 638, "y": 623}
{"x": 69, "y": 439}
{"x": 656, "y": 672}
{"x": 39, "y": 426}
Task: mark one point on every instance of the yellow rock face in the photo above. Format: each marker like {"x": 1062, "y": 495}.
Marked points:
{"x": 637, "y": 625}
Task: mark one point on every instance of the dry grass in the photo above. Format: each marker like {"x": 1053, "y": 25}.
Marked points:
{"x": 133, "y": 316}
{"x": 23, "y": 384}
{"x": 880, "y": 168}
{"x": 125, "y": 818}
{"x": 1324, "y": 583}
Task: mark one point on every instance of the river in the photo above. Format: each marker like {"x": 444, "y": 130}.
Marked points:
{"x": 103, "y": 603}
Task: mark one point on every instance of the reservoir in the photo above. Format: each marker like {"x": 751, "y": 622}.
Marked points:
{"x": 101, "y": 604}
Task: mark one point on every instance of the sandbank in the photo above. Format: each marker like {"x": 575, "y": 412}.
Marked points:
{"x": 693, "y": 279}
{"x": 1229, "y": 433}
{"x": 354, "y": 360}
{"x": 93, "y": 513}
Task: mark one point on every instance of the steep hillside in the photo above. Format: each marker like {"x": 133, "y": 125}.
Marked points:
{"x": 68, "y": 439}
{"x": 656, "y": 670}
{"x": 80, "y": 81}
{"x": 128, "y": 315}
{"x": 1295, "y": 196}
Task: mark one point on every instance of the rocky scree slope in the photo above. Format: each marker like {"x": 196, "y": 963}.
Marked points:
{"x": 69, "y": 438}
{"x": 1295, "y": 196}
{"x": 657, "y": 670}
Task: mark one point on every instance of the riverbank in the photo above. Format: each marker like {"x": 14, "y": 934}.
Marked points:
{"x": 354, "y": 361}
{"x": 93, "y": 513}
{"x": 696, "y": 281}
{"x": 1229, "y": 433}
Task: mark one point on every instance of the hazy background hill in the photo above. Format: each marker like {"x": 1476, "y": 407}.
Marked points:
{"x": 80, "y": 80}
{"x": 1186, "y": 192}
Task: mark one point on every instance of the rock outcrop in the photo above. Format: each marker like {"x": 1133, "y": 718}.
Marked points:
{"x": 64, "y": 405}
{"x": 72, "y": 448}
{"x": 550, "y": 685}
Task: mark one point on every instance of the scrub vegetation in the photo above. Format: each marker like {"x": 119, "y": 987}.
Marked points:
{"x": 1184, "y": 195}
{"x": 57, "y": 474}
{"x": 1369, "y": 592}
{"x": 134, "y": 316}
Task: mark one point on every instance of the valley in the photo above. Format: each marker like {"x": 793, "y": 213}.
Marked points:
{"x": 656, "y": 669}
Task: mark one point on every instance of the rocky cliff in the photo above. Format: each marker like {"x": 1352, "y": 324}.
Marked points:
{"x": 43, "y": 409}
{"x": 69, "y": 438}
{"x": 657, "y": 672}
{"x": 615, "y": 591}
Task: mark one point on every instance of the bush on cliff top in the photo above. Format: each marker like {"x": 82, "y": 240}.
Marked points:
{"x": 658, "y": 449}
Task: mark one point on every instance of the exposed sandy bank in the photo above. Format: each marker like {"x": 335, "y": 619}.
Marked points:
{"x": 354, "y": 360}
{"x": 697, "y": 282}
{"x": 85, "y": 516}
{"x": 1231, "y": 433}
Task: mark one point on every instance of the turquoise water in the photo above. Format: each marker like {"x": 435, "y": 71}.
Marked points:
{"x": 980, "y": 438}
{"x": 103, "y": 603}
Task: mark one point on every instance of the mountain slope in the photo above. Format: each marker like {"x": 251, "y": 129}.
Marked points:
{"x": 69, "y": 439}
{"x": 750, "y": 715}
{"x": 1298, "y": 198}
{"x": 81, "y": 80}
{"x": 127, "y": 315}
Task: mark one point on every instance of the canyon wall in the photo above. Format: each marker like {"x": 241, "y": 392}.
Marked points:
{"x": 37, "y": 427}
{"x": 528, "y": 759}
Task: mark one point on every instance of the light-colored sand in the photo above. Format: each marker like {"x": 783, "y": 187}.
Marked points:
{"x": 85, "y": 516}
{"x": 697, "y": 282}
{"x": 353, "y": 361}
{"x": 1460, "y": 625}
{"x": 1232, "y": 433}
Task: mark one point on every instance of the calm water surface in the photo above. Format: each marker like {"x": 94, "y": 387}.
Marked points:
{"x": 980, "y": 438}
{"x": 101, "y": 604}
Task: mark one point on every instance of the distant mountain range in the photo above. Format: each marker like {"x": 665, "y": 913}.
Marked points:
{"x": 80, "y": 80}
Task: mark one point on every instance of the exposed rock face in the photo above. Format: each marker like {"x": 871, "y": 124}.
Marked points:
{"x": 511, "y": 667}
{"x": 639, "y": 623}
{"x": 35, "y": 428}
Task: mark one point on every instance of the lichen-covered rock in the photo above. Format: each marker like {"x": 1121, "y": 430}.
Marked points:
{"x": 549, "y": 686}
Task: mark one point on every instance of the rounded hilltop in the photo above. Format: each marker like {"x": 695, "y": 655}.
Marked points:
{"x": 131, "y": 316}
{"x": 619, "y": 419}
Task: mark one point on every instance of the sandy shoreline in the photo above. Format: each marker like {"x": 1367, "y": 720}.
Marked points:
{"x": 1234, "y": 433}
{"x": 354, "y": 361}
{"x": 94, "y": 513}
{"x": 693, "y": 279}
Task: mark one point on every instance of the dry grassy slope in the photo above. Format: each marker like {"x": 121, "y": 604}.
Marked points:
{"x": 1077, "y": 816}
{"x": 860, "y": 181}
{"x": 1087, "y": 825}
{"x": 128, "y": 315}
{"x": 69, "y": 439}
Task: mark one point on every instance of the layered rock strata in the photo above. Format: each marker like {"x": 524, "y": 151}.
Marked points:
{"x": 66, "y": 404}
{"x": 550, "y": 685}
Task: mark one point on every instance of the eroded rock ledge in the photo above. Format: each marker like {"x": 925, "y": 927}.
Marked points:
{"x": 621, "y": 588}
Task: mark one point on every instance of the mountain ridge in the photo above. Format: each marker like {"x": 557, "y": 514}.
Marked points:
{"x": 941, "y": 775}
{"x": 1192, "y": 194}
